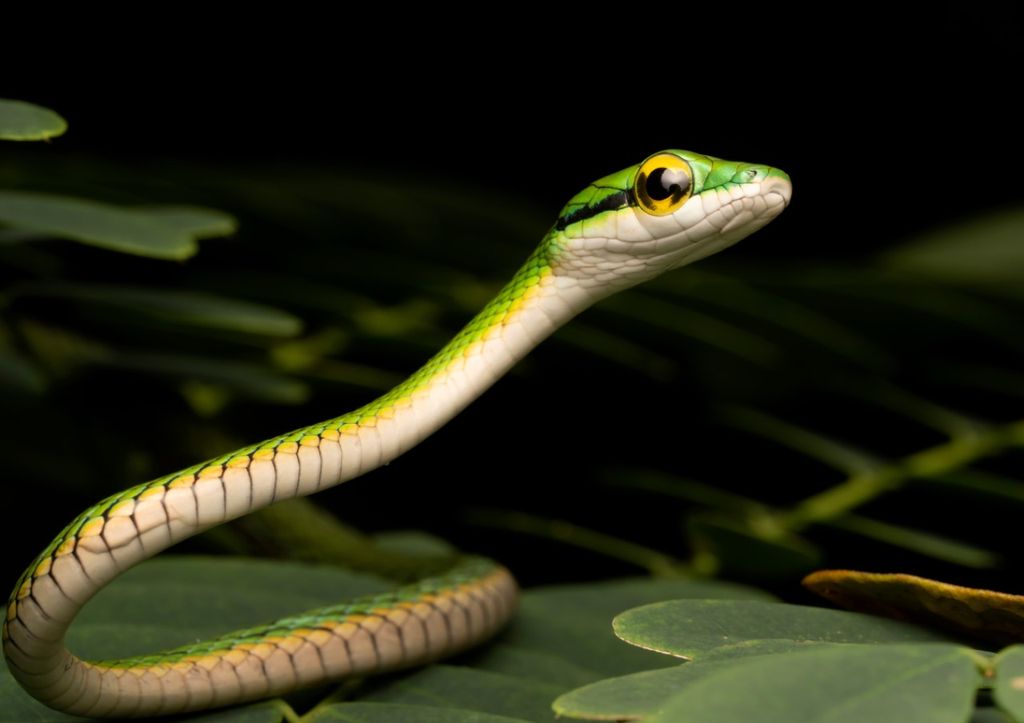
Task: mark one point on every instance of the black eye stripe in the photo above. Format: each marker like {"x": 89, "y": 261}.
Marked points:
{"x": 608, "y": 203}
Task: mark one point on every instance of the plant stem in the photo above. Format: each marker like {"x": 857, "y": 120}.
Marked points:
{"x": 865, "y": 486}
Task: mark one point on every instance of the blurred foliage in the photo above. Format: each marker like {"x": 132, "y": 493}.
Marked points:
{"x": 751, "y": 417}
{"x": 21, "y": 121}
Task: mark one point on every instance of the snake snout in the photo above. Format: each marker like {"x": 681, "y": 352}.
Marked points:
{"x": 778, "y": 183}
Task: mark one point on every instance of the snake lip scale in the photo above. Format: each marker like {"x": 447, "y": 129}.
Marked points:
{"x": 670, "y": 210}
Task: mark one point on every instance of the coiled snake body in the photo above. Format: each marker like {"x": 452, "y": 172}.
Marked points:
{"x": 672, "y": 209}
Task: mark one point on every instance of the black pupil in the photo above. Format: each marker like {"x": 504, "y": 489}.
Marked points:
{"x": 667, "y": 182}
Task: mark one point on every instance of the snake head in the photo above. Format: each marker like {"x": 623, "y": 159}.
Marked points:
{"x": 670, "y": 210}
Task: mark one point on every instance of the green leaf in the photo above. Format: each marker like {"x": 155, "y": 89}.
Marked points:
{"x": 635, "y": 696}
{"x": 842, "y": 684}
{"x": 571, "y": 621}
{"x": 160, "y": 234}
{"x": 983, "y": 250}
{"x": 270, "y": 711}
{"x": 22, "y": 121}
{"x": 687, "y": 628}
{"x": 453, "y": 687}
{"x": 1009, "y": 682}
{"x": 546, "y": 667}
{"x": 397, "y": 713}
{"x": 186, "y": 308}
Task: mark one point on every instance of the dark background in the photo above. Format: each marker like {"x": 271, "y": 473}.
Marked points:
{"x": 886, "y": 131}
{"x": 847, "y": 103}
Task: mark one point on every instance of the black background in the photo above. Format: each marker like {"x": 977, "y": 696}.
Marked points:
{"x": 886, "y": 131}
{"x": 887, "y": 125}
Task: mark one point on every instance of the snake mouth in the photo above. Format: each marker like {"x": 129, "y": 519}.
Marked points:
{"x": 747, "y": 208}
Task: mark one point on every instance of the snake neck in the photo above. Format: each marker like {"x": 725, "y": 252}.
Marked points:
{"x": 535, "y": 303}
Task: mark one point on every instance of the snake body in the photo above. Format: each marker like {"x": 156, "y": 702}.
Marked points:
{"x": 668, "y": 211}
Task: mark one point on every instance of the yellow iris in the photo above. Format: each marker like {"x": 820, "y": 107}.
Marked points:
{"x": 662, "y": 184}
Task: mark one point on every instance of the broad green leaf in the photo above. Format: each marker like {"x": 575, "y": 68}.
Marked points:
{"x": 930, "y": 683}
{"x": 572, "y": 621}
{"x": 982, "y": 250}
{"x": 454, "y": 687}
{"x": 144, "y": 232}
{"x": 23, "y": 121}
{"x": 687, "y": 628}
{"x": 266, "y": 712}
{"x": 543, "y": 666}
{"x": 1009, "y": 681}
{"x": 635, "y": 696}
{"x": 399, "y": 713}
{"x": 186, "y": 308}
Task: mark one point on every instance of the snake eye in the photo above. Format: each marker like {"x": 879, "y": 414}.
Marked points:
{"x": 663, "y": 183}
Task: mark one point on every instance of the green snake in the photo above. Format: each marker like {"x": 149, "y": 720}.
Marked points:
{"x": 668, "y": 211}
